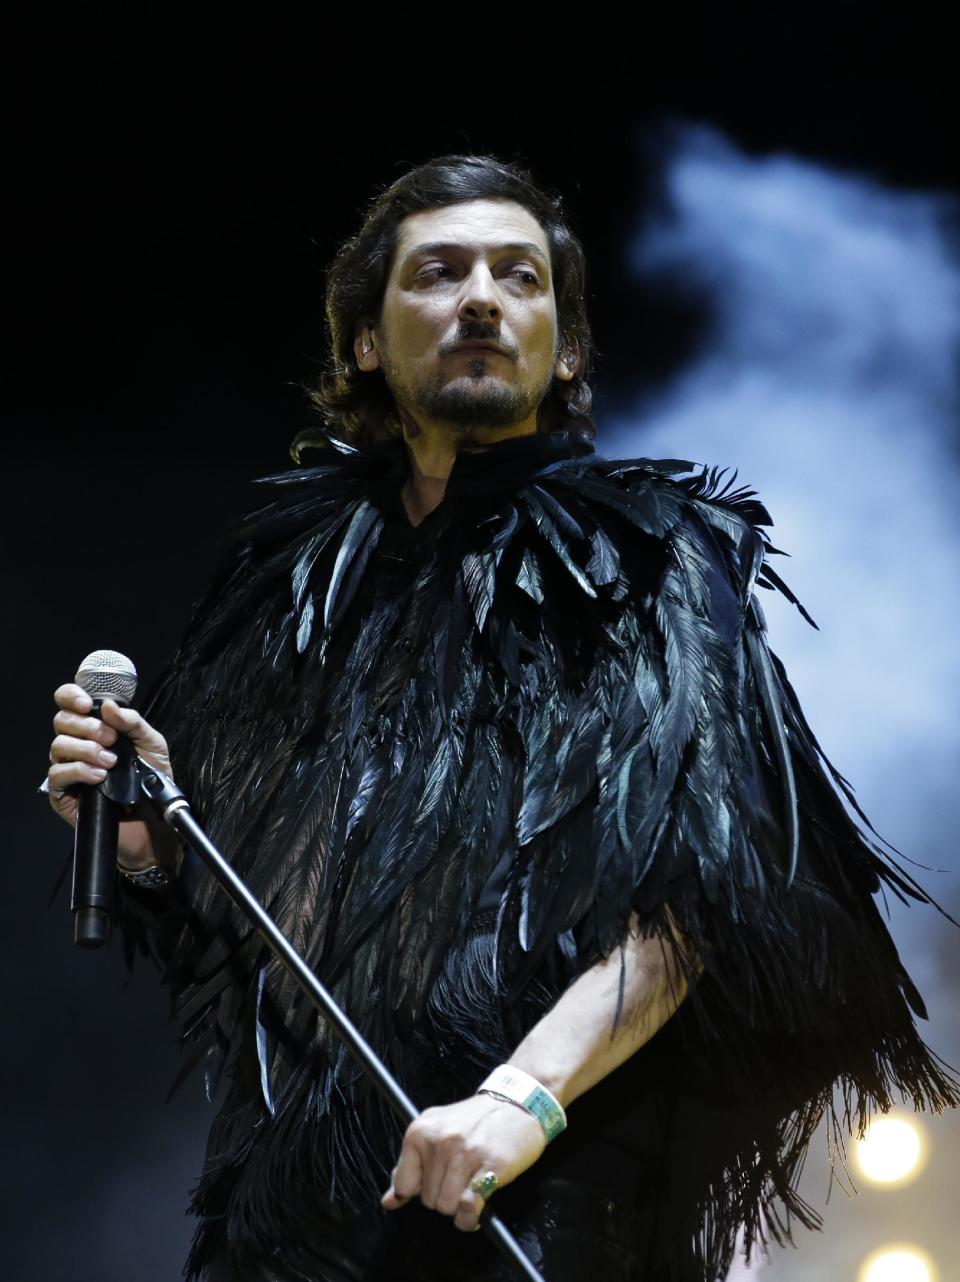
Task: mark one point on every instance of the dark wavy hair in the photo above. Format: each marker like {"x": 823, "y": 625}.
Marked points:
{"x": 357, "y": 406}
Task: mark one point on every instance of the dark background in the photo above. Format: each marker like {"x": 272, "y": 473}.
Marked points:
{"x": 177, "y": 181}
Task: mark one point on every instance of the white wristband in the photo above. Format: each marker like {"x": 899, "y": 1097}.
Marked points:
{"x": 518, "y": 1087}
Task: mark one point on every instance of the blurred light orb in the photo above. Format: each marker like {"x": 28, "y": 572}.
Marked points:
{"x": 892, "y": 1152}
{"x": 899, "y": 1263}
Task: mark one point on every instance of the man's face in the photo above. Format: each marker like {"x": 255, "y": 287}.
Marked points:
{"x": 469, "y": 273}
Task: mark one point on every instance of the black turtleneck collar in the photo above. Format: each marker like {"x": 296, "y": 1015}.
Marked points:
{"x": 499, "y": 465}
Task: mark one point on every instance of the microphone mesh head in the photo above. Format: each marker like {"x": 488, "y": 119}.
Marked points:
{"x": 106, "y": 674}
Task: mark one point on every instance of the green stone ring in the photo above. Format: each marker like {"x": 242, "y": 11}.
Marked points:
{"x": 484, "y": 1184}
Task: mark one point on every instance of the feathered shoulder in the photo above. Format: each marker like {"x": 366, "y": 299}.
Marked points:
{"x": 632, "y": 579}
{"x": 556, "y": 703}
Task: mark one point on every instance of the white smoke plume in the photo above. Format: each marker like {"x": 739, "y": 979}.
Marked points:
{"x": 829, "y": 380}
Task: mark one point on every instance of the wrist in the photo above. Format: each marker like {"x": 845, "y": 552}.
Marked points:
{"x": 127, "y": 862}
{"x": 517, "y": 1086}
{"x": 157, "y": 866}
{"x": 549, "y": 1077}
{"x": 161, "y": 850}
{"x": 152, "y": 878}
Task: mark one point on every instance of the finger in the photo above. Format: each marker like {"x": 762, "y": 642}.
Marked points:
{"x": 470, "y": 1204}
{"x": 469, "y": 1209}
{"x": 390, "y": 1201}
{"x": 408, "y": 1174}
{"x": 70, "y": 772}
{"x": 62, "y": 797}
{"x": 66, "y": 748}
{"x": 433, "y": 1178}
{"x": 72, "y": 697}
{"x": 130, "y": 722}
{"x": 455, "y": 1181}
{"x": 71, "y": 723}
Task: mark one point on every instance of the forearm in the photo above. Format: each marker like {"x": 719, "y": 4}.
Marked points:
{"x": 574, "y": 1045}
{"x": 571, "y": 1048}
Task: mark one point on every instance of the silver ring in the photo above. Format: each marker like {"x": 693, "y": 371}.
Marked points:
{"x": 51, "y": 792}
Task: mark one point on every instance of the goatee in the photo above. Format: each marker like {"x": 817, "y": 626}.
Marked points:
{"x": 467, "y": 405}
{"x": 496, "y": 406}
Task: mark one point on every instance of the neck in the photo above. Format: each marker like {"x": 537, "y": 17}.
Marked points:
{"x": 431, "y": 452}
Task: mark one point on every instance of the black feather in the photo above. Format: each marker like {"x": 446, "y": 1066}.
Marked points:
{"x": 555, "y": 699}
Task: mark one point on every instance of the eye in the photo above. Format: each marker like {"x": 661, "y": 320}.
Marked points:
{"x": 527, "y": 275}
{"x": 434, "y": 272}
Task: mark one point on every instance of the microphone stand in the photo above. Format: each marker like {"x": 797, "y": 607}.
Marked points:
{"x": 172, "y": 806}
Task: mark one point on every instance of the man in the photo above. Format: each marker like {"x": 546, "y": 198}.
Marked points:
{"x": 490, "y": 726}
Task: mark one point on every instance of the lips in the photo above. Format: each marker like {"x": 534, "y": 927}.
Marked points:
{"x": 480, "y": 346}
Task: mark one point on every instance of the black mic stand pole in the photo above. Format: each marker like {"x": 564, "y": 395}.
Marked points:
{"x": 171, "y": 805}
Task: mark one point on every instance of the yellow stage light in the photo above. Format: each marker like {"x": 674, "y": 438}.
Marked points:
{"x": 902, "y": 1262}
{"x": 893, "y": 1151}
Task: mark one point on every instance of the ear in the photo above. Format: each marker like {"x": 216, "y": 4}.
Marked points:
{"x": 365, "y": 347}
{"x": 567, "y": 363}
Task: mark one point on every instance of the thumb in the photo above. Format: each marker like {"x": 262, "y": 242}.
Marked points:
{"x": 129, "y": 722}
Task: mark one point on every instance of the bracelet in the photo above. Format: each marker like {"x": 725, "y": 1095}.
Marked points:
{"x": 517, "y": 1087}
{"x": 153, "y": 877}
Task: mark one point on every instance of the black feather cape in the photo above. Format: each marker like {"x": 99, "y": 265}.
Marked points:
{"x": 451, "y": 761}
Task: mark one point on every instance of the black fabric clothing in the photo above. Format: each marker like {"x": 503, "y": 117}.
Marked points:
{"x": 568, "y": 1229}
{"x": 455, "y": 761}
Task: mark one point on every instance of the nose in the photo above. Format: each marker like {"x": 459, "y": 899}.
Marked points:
{"x": 480, "y": 300}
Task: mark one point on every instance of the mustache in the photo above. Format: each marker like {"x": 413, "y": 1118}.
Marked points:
{"x": 478, "y": 332}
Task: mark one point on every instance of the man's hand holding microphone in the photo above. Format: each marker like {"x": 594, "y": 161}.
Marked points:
{"x": 96, "y": 732}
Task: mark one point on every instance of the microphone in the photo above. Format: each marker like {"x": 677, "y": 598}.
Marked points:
{"x": 104, "y": 674}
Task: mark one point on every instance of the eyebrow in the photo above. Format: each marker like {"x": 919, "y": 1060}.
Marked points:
{"x": 445, "y": 247}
